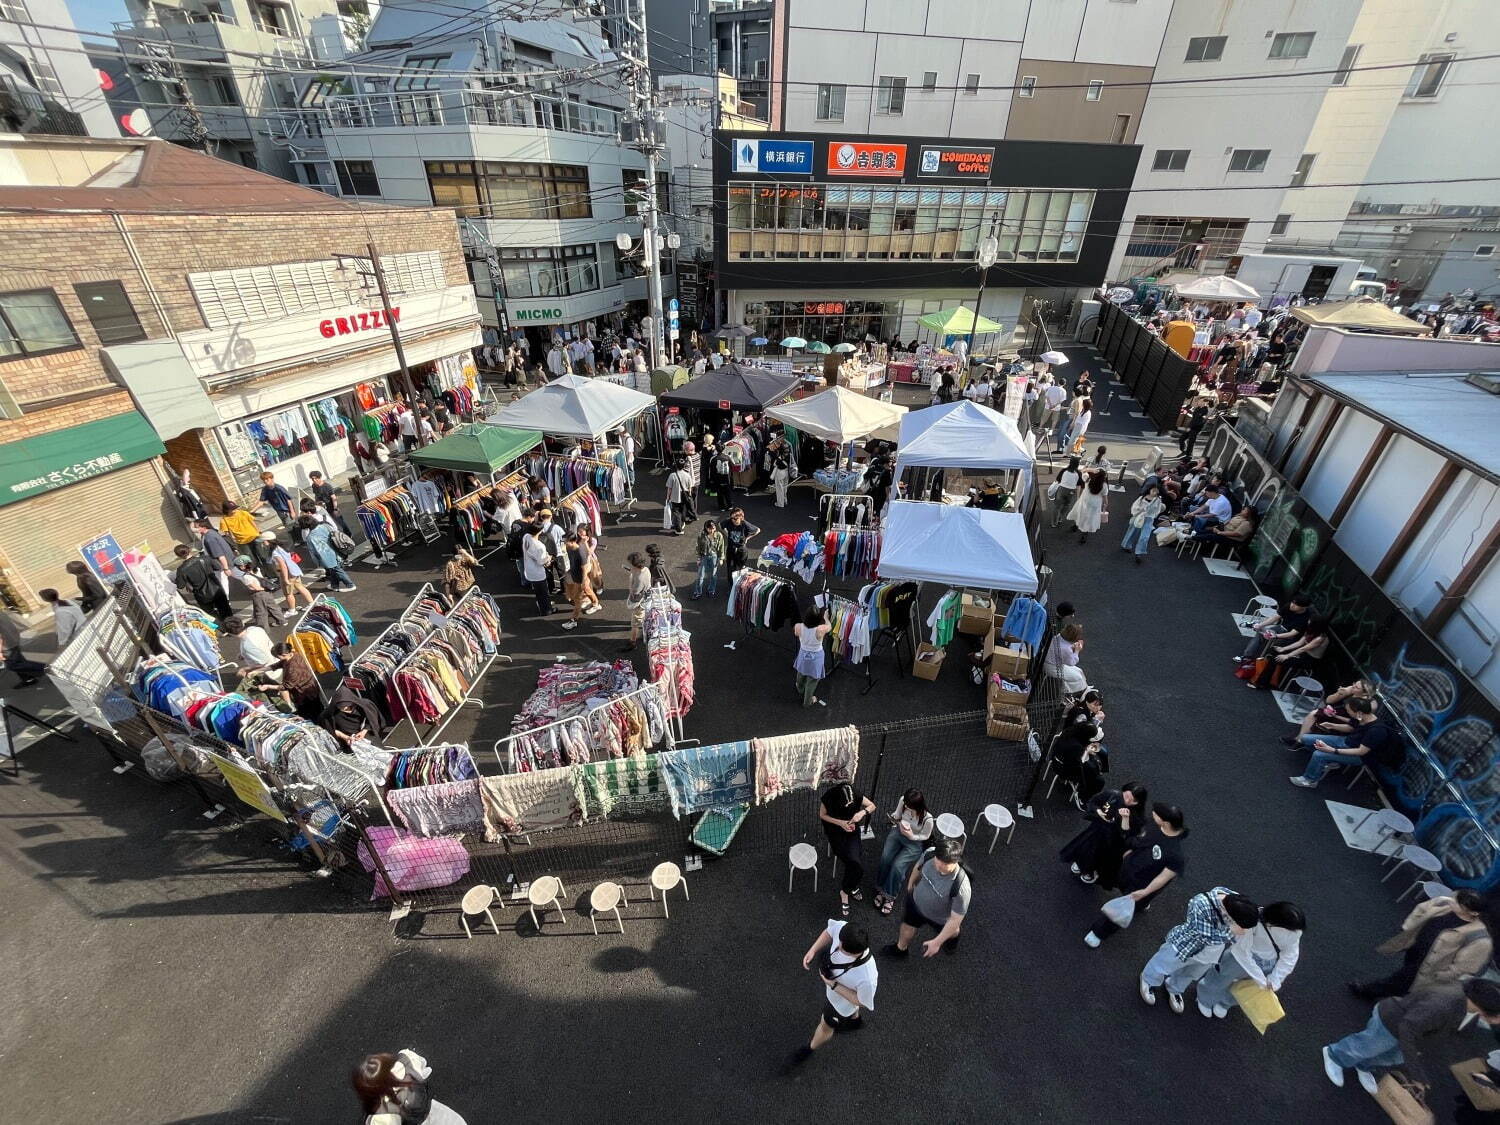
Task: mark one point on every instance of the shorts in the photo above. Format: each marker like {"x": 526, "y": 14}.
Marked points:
{"x": 914, "y": 917}
{"x": 841, "y": 1024}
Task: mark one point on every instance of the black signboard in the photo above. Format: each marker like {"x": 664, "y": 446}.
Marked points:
{"x": 960, "y": 163}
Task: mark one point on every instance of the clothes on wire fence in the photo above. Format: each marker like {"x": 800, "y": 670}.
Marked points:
{"x": 629, "y": 786}
{"x": 442, "y": 809}
{"x": 809, "y": 760}
{"x": 537, "y": 801}
{"x": 708, "y": 777}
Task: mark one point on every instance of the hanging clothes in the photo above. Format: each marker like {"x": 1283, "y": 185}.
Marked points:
{"x": 848, "y": 629}
{"x": 429, "y": 765}
{"x": 851, "y": 552}
{"x": 389, "y": 517}
{"x": 708, "y": 777}
{"x": 191, "y": 635}
{"x": 888, "y": 604}
{"x": 446, "y": 809}
{"x": 760, "y": 600}
{"x": 846, "y": 509}
{"x": 943, "y": 620}
{"x": 518, "y": 803}
{"x": 808, "y": 760}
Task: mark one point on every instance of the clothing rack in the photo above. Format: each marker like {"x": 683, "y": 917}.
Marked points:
{"x": 426, "y": 591}
{"x": 827, "y": 500}
{"x": 786, "y": 578}
{"x": 866, "y": 567}
{"x": 507, "y": 760}
{"x": 423, "y": 525}
{"x": 849, "y": 605}
{"x": 434, "y": 729}
{"x": 660, "y": 598}
{"x": 511, "y": 482}
{"x": 321, "y": 599}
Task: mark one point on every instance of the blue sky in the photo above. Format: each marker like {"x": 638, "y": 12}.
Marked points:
{"x": 97, "y": 15}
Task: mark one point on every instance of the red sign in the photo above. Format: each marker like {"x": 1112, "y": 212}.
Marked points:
{"x": 725, "y": 404}
{"x": 822, "y": 308}
{"x": 859, "y": 158}
{"x": 673, "y": 410}
{"x": 359, "y": 322}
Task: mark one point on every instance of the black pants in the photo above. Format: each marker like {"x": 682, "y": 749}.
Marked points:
{"x": 1187, "y": 441}
{"x": 543, "y": 597}
{"x": 1396, "y": 984}
{"x": 27, "y": 670}
{"x": 216, "y": 603}
{"x": 1104, "y": 928}
{"x": 847, "y": 848}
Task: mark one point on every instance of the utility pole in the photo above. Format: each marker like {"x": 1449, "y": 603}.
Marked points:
{"x": 988, "y": 252}
{"x": 649, "y": 141}
{"x": 390, "y": 321}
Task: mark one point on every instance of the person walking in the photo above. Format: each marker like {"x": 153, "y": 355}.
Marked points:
{"x": 553, "y": 535}
{"x": 594, "y": 569}
{"x": 218, "y": 550}
{"x": 277, "y": 498}
{"x": 319, "y": 539}
{"x": 327, "y": 495}
{"x": 720, "y": 479}
{"x": 711, "y": 549}
{"x": 679, "y": 483}
{"x": 1088, "y": 510}
{"x": 1143, "y": 512}
{"x": 1151, "y": 862}
{"x": 392, "y": 1090}
{"x": 1216, "y": 919}
{"x": 1080, "y": 429}
{"x": 263, "y": 608}
{"x": 1442, "y": 941}
{"x": 576, "y": 580}
{"x": 637, "y": 592}
{"x": 536, "y": 566}
{"x": 1112, "y": 821}
{"x": 67, "y": 616}
{"x": 737, "y": 535}
{"x": 198, "y": 576}
{"x": 1266, "y": 954}
{"x": 844, "y": 811}
{"x": 91, "y": 592}
{"x": 1402, "y": 1027}
{"x": 938, "y": 893}
{"x": 911, "y": 828}
{"x": 850, "y": 978}
{"x": 811, "y": 659}
{"x": 1064, "y": 490}
{"x": 288, "y": 573}
{"x": 28, "y": 672}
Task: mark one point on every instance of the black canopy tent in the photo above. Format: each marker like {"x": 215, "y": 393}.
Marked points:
{"x": 742, "y": 386}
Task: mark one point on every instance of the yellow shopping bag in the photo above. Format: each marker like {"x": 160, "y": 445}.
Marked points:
{"x": 1261, "y": 1006}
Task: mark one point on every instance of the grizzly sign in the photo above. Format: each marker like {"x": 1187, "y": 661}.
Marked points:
{"x": 359, "y": 322}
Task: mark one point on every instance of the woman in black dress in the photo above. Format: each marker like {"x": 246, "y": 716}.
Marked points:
{"x": 1114, "y": 818}
{"x": 1152, "y": 860}
{"x": 1077, "y": 753}
{"x": 844, "y": 811}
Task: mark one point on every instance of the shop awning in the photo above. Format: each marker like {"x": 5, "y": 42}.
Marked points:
{"x": 34, "y": 465}
{"x": 957, "y": 321}
{"x": 961, "y": 435}
{"x": 164, "y": 385}
{"x": 957, "y": 547}
{"x": 837, "y": 414}
{"x": 742, "y": 386}
{"x": 477, "y": 448}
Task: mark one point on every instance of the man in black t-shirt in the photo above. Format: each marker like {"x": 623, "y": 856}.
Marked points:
{"x": 1372, "y": 740}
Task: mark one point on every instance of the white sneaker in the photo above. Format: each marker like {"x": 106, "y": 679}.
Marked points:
{"x": 570, "y": 624}
{"x": 1220, "y": 1011}
{"x": 1368, "y": 1081}
{"x": 1333, "y": 1070}
{"x": 1148, "y": 994}
{"x": 1073, "y": 867}
{"x": 593, "y": 609}
{"x": 1091, "y": 940}
{"x": 1205, "y": 1011}
{"x": 1302, "y": 782}
{"x": 1175, "y": 1002}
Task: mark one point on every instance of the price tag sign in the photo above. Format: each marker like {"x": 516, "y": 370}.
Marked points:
{"x": 724, "y": 404}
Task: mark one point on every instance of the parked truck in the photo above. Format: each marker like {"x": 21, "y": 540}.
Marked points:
{"x": 1305, "y": 275}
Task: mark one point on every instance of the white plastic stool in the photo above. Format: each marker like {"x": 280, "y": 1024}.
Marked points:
{"x": 665, "y": 876}
{"x": 477, "y": 900}
{"x": 801, "y": 857}
{"x": 999, "y": 816}
{"x": 950, "y": 826}
{"x": 1390, "y": 824}
{"x": 544, "y": 891}
{"x": 1304, "y": 690}
{"x": 1257, "y": 606}
{"x": 1433, "y": 889}
{"x": 1420, "y": 858}
{"x": 604, "y": 898}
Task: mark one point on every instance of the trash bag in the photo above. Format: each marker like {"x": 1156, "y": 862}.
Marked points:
{"x": 1120, "y": 911}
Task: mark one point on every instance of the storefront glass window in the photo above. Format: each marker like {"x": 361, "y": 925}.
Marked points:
{"x": 280, "y": 436}
{"x": 330, "y": 418}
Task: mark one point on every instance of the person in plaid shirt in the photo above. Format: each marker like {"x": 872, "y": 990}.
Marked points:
{"x": 1215, "y": 919}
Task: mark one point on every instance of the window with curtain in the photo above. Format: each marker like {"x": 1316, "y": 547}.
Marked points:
{"x": 110, "y": 312}
{"x": 32, "y": 322}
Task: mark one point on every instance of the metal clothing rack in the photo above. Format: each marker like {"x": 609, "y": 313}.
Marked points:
{"x": 424, "y": 592}
{"x": 424, "y": 738}
{"x": 426, "y": 526}
{"x": 511, "y": 481}
{"x": 321, "y": 599}
{"x": 826, "y": 499}
{"x": 582, "y": 716}
{"x": 864, "y": 666}
{"x": 751, "y": 629}
{"x": 659, "y": 597}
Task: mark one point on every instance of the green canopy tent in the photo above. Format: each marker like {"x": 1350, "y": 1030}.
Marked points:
{"x": 669, "y": 378}
{"x": 957, "y": 321}
{"x": 478, "y": 447}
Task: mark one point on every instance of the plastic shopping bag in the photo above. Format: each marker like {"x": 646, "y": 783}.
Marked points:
{"x": 1261, "y": 1006}
{"x": 1120, "y": 910}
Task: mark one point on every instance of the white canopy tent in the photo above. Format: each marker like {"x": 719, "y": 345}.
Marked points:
{"x": 965, "y": 435}
{"x": 574, "y": 406}
{"x": 837, "y": 414}
{"x": 957, "y": 546}
{"x": 1219, "y": 288}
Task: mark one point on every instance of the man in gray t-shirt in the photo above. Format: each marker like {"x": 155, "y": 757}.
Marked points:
{"x": 937, "y": 895}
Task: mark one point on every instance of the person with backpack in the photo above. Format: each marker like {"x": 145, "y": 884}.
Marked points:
{"x": 937, "y": 895}
{"x": 262, "y": 588}
{"x": 850, "y": 978}
{"x": 198, "y": 576}
{"x": 321, "y": 540}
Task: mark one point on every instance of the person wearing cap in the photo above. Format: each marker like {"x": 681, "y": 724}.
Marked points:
{"x": 263, "y": 608}
{"x": 288, "y": 572}
{"x": 536, "y": 565}
{"x": 552, "y": 535}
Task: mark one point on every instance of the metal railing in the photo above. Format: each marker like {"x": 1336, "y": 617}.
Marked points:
{"x": 468, "y": 107}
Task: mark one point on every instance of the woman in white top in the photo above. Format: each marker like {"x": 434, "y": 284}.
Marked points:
{"x": 911, "y": 828}
{"x": 1267, "y": 955}
{"x": 1080, "y": 429}
{"x": 392, "y": 1090}
{"x": 1062, "y": 659}
{"x": 1065, "y": 489}
{"x": 1148, "y": 505}
{"x": 810, "y": 658}
{"x": 1088, "y": 510}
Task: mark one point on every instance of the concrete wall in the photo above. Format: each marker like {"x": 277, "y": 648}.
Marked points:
{"x": 1334, "y": 349}
{"x": 1064, "y": 113}
{"x": 63, "y": 53}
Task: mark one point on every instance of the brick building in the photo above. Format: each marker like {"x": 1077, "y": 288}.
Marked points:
{"x": 162, "y": 310}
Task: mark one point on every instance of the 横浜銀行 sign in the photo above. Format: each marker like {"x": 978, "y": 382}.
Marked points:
{"x": 765, "y": 154}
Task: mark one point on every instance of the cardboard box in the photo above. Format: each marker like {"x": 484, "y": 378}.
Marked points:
{"x": 1009, "y": 712}
{"x": 928, "y": 662}
{"x": 995, "y": 694}
{"x": 1009, "y": 663}
{"x": 976, "y": 614}
{"x": 1010, "y": 730}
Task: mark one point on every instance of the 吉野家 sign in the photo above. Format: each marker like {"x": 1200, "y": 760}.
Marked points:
{"x": 957, "y": 163}
{"x": 769, "y": 155}
{"x": 861, "y": 158}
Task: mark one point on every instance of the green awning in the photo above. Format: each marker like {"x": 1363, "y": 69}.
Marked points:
{"x": 669, "y": 378}
{"x": 956, "y": 322}
{"x": 477, "y": 448}
{"x": 34, "y": 465}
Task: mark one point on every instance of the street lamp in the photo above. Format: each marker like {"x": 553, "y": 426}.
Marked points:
{"x": 650, "y": 257}
{"x": 988, "y": 254}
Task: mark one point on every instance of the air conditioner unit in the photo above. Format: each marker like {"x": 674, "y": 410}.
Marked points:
{"x": 762, "y": 68}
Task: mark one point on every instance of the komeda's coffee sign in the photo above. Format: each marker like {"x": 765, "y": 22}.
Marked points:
{"x": 957, "y": 163}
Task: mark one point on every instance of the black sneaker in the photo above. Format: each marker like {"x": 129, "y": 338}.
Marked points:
{"x": 797, "y": 1058}
{"x": 894, "y": 950}
{"x": 1291, "y": 741}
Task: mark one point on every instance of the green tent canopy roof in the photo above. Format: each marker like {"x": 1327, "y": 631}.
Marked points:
{"x": 957, "y": 320}
{"x": 477, "y": 448}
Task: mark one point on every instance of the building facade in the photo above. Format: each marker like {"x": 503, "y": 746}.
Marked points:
{"x": 47, "y": 84}
{"x": 839, "y": 237}
{"x": 226, "y": 328}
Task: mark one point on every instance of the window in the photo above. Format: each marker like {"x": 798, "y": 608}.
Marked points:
{"x": 1205, "y": 48}
{"x": 1291, "y": 45}
{"x": 454, "y": 184}
{"x": 1094, "y": 92}
{"x": 320, "y": 89}
{"x": 268, "y": 17}
{"x": 221, "y": 87}
{"x": 1170, "y": 160}
{"x": 420, "y": 73}
{"x": 550, "y": 271}
{"x": 633, "y": 182}
{"x": 46, "y": 78}
{"x": 356, "y": 177}
{"x": 110, "y": 312}
{"x": 511, "y": 191}
{"x": 1304, "y": 166}
{"x": 1346, "y": 65}
{"x": 1427, "y": 79}
{"x": 1027, "y": 89}
{"x": 32, "y": 323}
{"x": 971, "y": 83}
{"x": 890, "y": 96}
{"x": 831, "y": 102}
{"x": 15, "y": 10}
{"x": 1121, "y": 130}
{"x": 1282, "y": 222}
{"x": 929, "y": 80}
{"x": 1484, "y": 251}
{"x": 1249, "y": 159}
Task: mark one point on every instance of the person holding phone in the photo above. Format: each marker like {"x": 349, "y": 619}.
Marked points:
{"x": 850, "y": 978}
{"x": 844, "y": 811}
{"x": 911, "y": 828}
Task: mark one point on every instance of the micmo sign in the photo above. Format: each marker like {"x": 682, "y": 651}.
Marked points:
{"x": 358, "y": 322}
{"x": 537, "y": 314}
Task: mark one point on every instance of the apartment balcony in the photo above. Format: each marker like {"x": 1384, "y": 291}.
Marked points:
{"x": 462, "y": 108}
{"x": 208, "y": 35}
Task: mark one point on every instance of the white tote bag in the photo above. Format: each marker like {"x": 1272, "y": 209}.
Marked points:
{"x": 1120, "y": 911}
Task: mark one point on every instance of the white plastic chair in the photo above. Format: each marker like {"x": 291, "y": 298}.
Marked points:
{"x": 665, "y": 876}
{"x": 1419, "y": 858}
{"x": 951, "y": 826}
{"x": 801, "y": 857}
{"x": 999, "y": 817}
{"x": 1389, "y": 823}
{"x": 545, "y": 891}
{"x": 1433, "y": 889}
{"x": 477, "y": 900}
{"x": 1306, "y": 694}
{"x": 1260, "y": 605}
{"x": 604, "y": 898}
